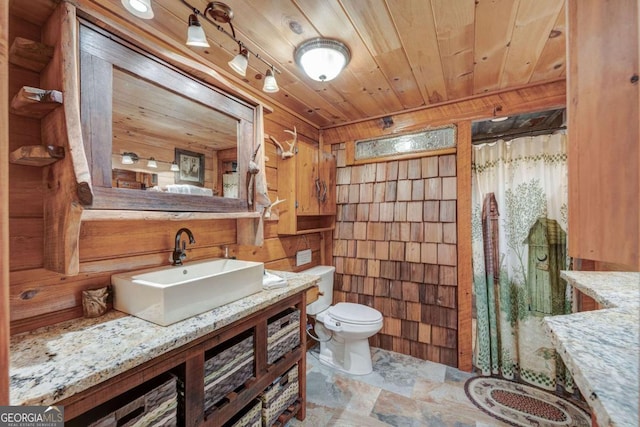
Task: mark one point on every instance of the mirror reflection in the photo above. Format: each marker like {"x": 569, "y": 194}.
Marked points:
{"x": 164, "y": 141}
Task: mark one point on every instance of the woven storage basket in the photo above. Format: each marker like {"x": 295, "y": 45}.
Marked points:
{"x": 283, "y": 334}
{"x": 279, "y": 396}
{"x": 249, "y": 417}
{"x": 227, "y": 370}
{"x": 141, "y": 407}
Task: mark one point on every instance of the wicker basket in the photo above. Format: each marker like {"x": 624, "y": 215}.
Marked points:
{"x": 250, "y": 416}
{"x": 227, "y": 369}
{"x": 153, "y": 403}
{"x": 279, "y": 396}
{"x": 283, "y": 334}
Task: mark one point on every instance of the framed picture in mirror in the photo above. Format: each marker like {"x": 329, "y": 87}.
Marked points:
{"x": 191, "y": 167}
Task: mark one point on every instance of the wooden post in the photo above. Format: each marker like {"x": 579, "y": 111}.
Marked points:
{"x": 4, "y": 195}
{"x": 465, "y": 270}
{"x": 72, "y": 186}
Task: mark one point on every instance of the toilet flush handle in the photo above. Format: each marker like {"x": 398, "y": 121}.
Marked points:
{"x": 333, "y": 325}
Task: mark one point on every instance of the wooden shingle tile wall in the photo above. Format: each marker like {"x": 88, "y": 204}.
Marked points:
{"x": 395, "y": 250}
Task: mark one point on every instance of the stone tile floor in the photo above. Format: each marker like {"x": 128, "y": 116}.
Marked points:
{"x": 401, "y": 391}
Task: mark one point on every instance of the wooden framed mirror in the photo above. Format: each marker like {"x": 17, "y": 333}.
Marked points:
{"x": 157, "y": 138}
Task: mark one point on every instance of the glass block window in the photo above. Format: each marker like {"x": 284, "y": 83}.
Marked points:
{"x": 426, "y": 140}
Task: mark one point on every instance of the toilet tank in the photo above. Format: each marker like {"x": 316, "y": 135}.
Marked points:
{"x": 325, "y": 286}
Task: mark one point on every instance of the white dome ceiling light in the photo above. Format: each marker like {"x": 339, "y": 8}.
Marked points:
{"x": 140, "y": 8}
{"x": 322, "y": 59}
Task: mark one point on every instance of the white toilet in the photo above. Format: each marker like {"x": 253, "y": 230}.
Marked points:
{"x": 343, "y": 329}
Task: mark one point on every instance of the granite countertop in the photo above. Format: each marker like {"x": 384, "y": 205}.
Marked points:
{"x": 601, "y": 348}
{"x": 55, "y": 362}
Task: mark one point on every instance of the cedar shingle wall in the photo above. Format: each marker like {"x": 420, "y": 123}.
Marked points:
{"x": 395, "y": 250}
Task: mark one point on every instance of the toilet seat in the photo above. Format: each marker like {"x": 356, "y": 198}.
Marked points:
{"x": 354, "y": 314}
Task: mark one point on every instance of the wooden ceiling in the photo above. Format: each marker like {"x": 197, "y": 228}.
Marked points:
{"x": 406, "y": 54}
{"x": 138, "y": 117}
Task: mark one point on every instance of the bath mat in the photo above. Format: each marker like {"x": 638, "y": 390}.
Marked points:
{"x": 523, "y": 406}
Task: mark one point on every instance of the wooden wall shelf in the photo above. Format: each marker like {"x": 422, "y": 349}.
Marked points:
{"x": 37, "y": 155}
{"x": 29, "y": 54}
{"x": 124, "y": 215}
{"x": 35, "y": 102}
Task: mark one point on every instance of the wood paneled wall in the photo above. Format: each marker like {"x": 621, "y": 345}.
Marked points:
{"x": 606, "y": 174}
{"x": 38, "y": 297}
{"x": 4, "y": 200}
{"x": 395, "y": 249}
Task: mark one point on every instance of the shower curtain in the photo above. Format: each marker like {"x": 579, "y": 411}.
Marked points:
{"x": 519, "y": 231}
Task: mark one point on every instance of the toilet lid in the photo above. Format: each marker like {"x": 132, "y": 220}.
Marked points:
{"x": 355, "y": 313}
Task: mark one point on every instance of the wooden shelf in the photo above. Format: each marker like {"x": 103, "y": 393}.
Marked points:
{"x": 124, "y": 215}
{"x": 307, "y": 224}
{"x": 225, "y": 412}
{"x": 35, "y": 102}
{"x": 309, "y": 231}
{"x": 29, "y": 54}
{"x": 37, "y": 155}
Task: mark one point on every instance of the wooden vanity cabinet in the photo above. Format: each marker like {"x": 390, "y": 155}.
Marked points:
{"x": 307, "y": 181}
{"x": 188, "y": 363}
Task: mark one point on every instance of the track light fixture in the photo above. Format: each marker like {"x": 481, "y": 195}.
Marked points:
{"x": 195, "y": 33}
{"x": 270, "y": 83}
{"x": 240, "y": 62}
{"x": 131, "y": 158}
{"x": 217, "y": 13}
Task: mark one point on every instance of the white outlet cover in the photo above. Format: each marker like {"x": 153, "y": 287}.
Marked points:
{"x": 303, "y": 257}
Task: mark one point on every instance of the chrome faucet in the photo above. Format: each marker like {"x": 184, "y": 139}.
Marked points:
{"x": 179, "y": 253}
{"x": 226, "y": 253}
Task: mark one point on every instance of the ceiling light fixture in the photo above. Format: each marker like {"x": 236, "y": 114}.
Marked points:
{"x": 195, "y": 33}
{"x": 129, "y": 158}
{"x": 322, "y": 59}
{"x": 217, "y": 13}
{"x": 140, "y": 8}
{"x": 240, "y": 62}
{"x": 270, "y": 83}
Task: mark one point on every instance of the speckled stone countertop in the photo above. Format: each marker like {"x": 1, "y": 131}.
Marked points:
{"x": 52, "y": 363}
{"x": 602, "y": 348}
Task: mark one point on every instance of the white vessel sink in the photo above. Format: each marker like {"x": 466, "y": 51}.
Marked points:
{"x": 166, "y": 295}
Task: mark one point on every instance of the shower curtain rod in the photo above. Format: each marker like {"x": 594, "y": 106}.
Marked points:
{"x": 508, "y": 136}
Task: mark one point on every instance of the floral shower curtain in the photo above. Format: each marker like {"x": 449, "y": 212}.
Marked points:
{"x": 519, "y": 229}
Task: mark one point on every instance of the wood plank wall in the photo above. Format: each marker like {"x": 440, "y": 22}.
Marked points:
{"x": 395, "y": 249}
{"x": 4, "y": 196}
{"x": 38, "y": 297}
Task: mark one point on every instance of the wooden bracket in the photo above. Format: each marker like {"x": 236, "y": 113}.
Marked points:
{"x": 29, "y": 54}
{"x": 34, "y": 102}
{"x": 37, "y": 155}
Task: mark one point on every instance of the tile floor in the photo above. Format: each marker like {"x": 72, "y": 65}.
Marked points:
{"x": 401, "y": 391}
